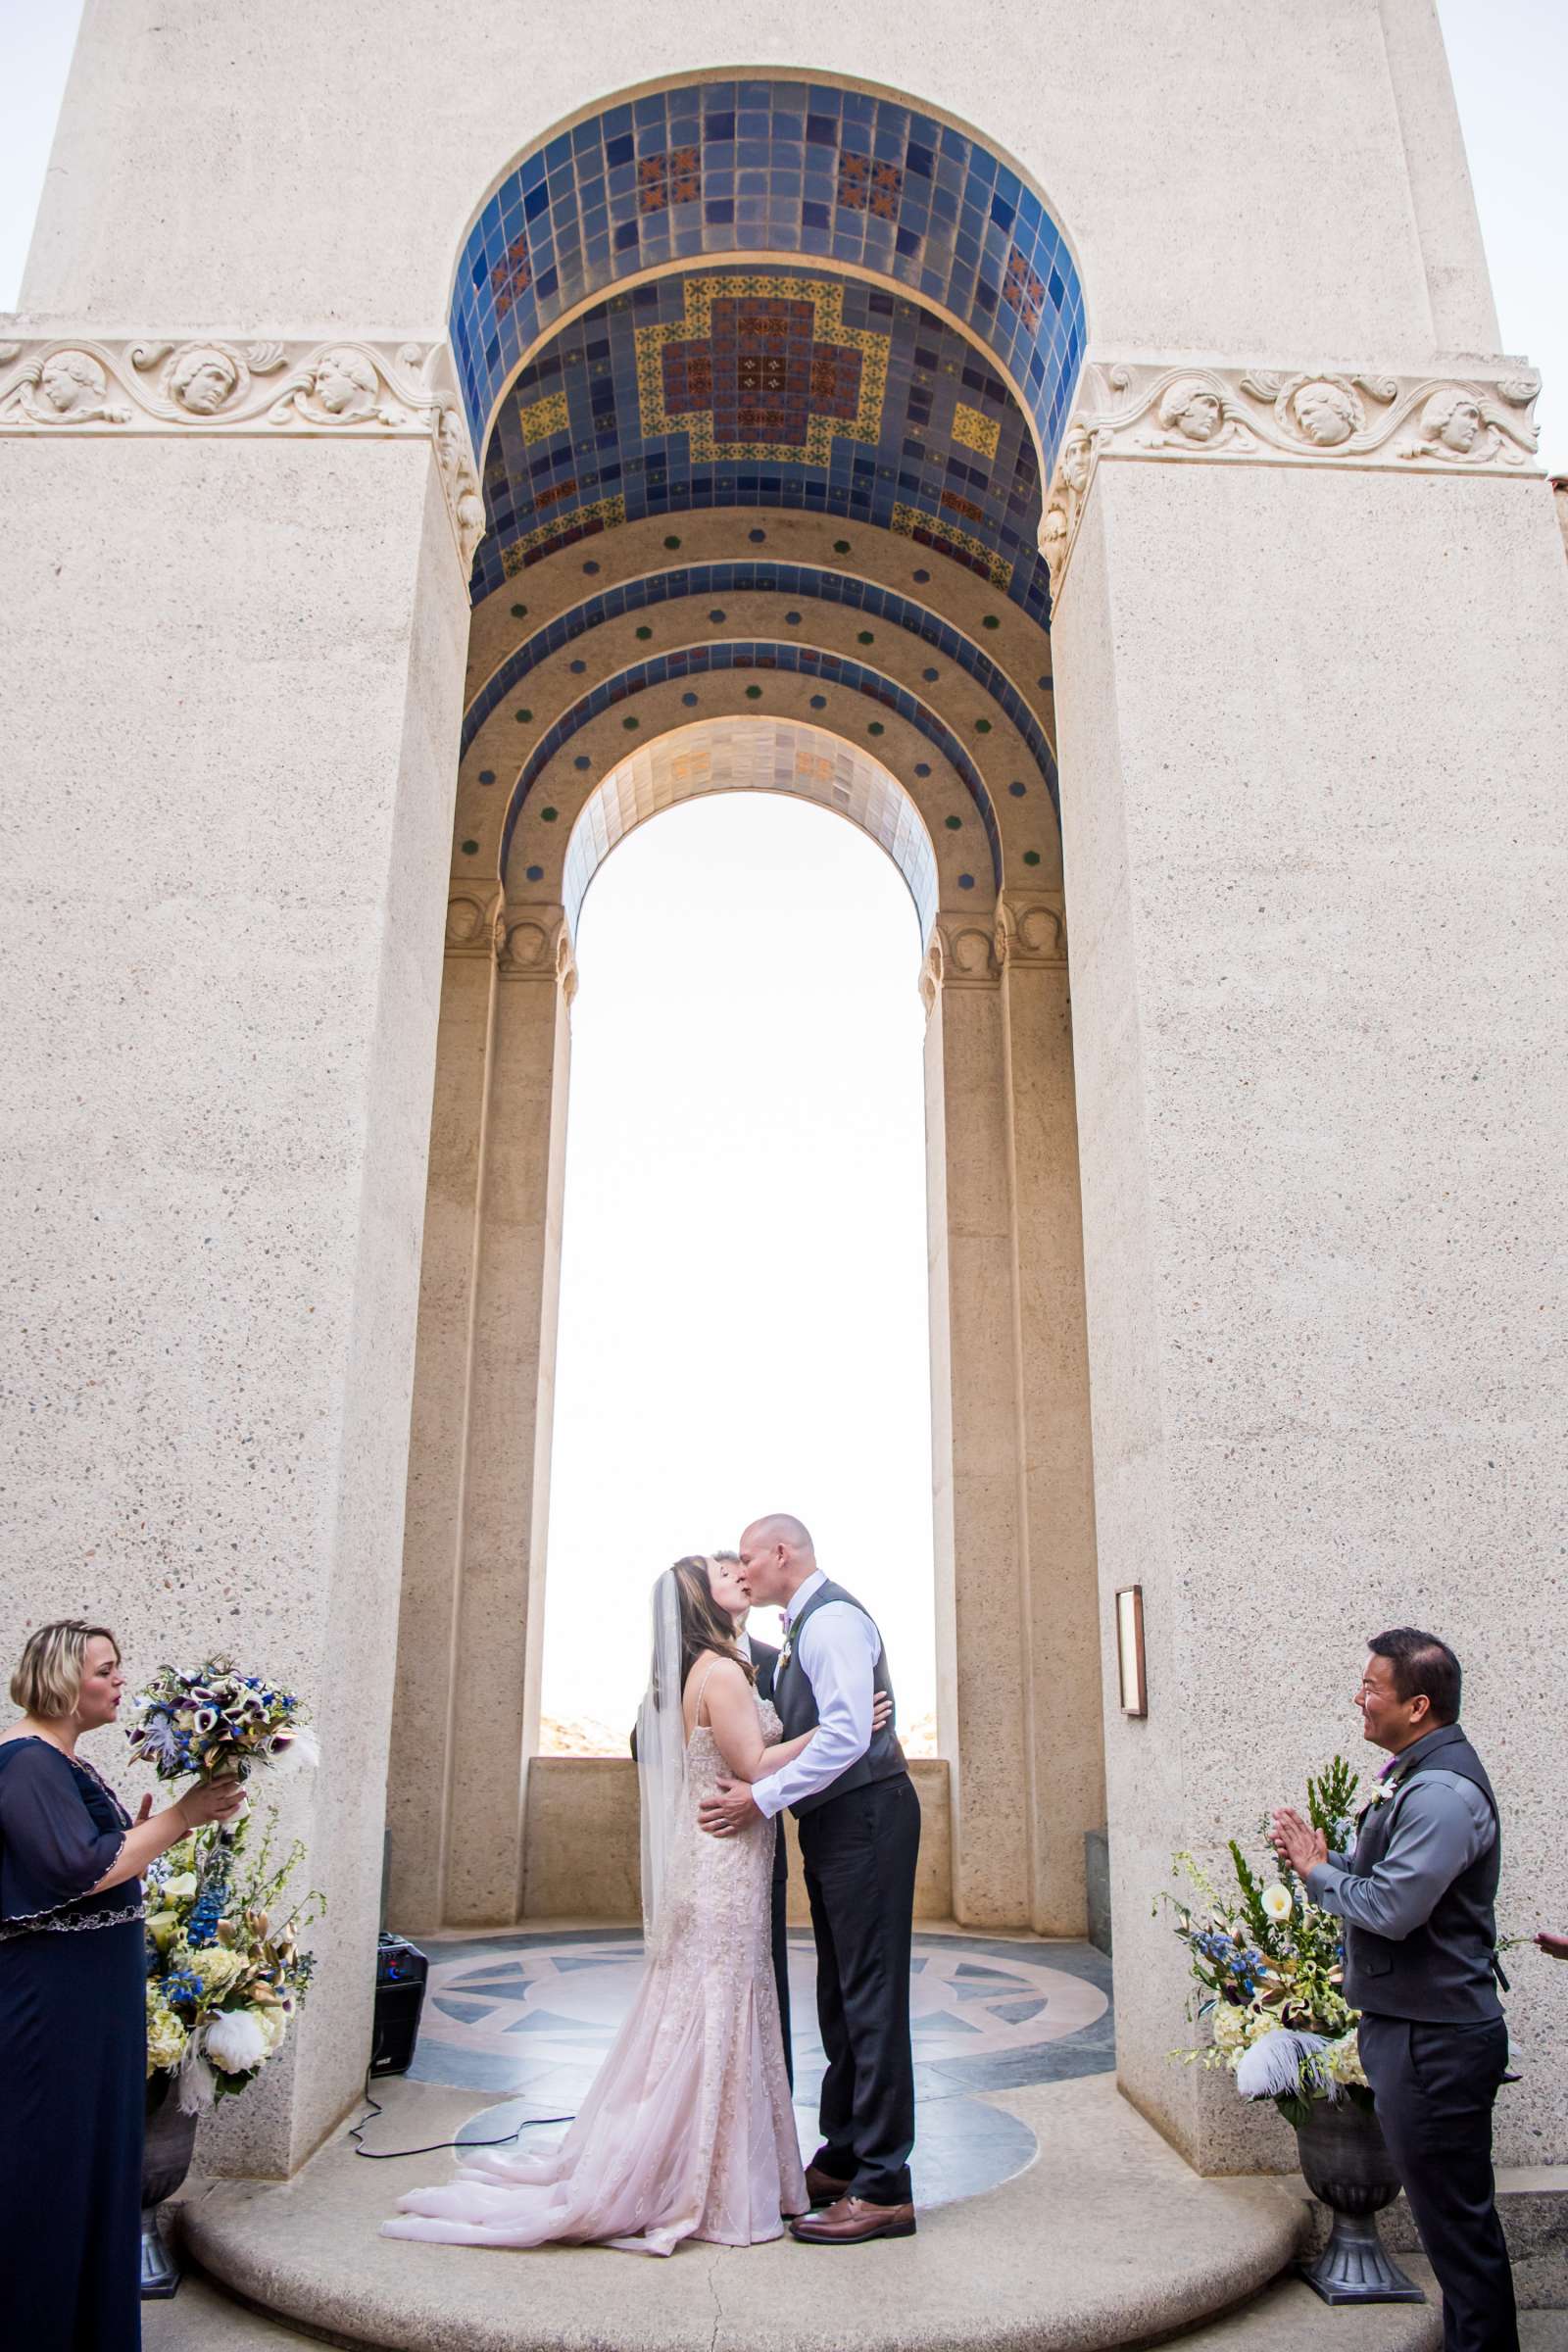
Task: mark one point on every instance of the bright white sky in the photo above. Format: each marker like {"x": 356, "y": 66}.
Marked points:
{"x": 743, "y": 1300}
{"x": 744, "y": 1310}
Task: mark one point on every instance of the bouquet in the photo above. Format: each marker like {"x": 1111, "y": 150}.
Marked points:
{"x": 226, "y": 1972}
{"x": 217, "y": 1723}
{"x": 1268, "y": 1969}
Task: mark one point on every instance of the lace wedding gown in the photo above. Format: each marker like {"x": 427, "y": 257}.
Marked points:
{"x": 688, "y": 2129}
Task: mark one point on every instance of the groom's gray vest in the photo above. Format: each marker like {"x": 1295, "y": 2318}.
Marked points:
{"x": 1442, "y": 1973}
{"x": 796, "y": 1702}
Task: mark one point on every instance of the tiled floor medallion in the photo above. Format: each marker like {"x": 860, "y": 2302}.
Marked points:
{"x": 531, "y": 2018}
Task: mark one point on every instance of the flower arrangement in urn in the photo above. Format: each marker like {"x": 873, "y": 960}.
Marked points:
{"x": 226, "y": 1970}
{"x": 1268, "y": 1969}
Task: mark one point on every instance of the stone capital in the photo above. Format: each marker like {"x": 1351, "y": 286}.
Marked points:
{"x": 533, "y": 943}
{"x": 1034, "y": 928}
{"x": 238, "y": 387}
{"x": 962, "y": 955}
{"x": 472, "y": 922}
{"x": 1360, "y": 419}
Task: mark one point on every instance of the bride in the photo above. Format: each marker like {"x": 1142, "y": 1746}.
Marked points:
{"x": 688, "y": 2129}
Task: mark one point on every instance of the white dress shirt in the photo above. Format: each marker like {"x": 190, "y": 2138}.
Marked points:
{"x": 837, "y": 1652}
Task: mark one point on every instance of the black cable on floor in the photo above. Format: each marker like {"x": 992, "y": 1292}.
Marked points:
{"x": 386, "y": 2155}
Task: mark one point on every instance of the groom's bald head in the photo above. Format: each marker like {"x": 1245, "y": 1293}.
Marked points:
{"x": 776, "y": 1558}
{"x": 780, "y": 1528}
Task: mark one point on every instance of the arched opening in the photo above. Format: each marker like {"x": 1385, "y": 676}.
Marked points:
{"x": 764, "y": 376}
{"x": 744, "y": 1303}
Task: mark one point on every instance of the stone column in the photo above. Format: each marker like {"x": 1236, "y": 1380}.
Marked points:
{"x": 981, "y": 1642}
{"x": 236, "y": 684}
{"x": 500, "y": 1600}
{"x": 420, "y": 1769}
{"x": 1315, "y": 837}
{"x": 1057, "y": 1465}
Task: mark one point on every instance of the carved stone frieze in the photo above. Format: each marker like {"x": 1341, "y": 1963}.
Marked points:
{"x": 1258, "y": 416}
{"x": 229, "y": 386}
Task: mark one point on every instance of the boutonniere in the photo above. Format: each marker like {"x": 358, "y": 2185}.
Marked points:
{"x": 1378, "y": 1797}
{"x": 785, "y": 1654}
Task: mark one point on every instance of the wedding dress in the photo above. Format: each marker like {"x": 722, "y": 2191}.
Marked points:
{"x": 688, "y": 2129}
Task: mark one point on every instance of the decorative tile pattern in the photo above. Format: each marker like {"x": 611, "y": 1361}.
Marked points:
{"x": 697, "y": 660}
{"x": 761, "y": 368}
{"x": 772, "y": 167}
{"x": 767, "y": 388}
{"x": 531, "y": 2018}
{"x": 971, "y": 429}
{"x": 703, "y": 580}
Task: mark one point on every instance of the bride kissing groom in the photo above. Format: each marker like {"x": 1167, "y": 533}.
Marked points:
{"x": 687, "y": 2131}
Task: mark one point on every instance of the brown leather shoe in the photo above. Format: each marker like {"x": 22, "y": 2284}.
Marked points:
{"x": 821, "y": 2187}
{"x": 852, "y": 2221}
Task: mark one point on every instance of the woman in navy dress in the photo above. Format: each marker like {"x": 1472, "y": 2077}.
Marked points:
{"x": 72, "y": 2002}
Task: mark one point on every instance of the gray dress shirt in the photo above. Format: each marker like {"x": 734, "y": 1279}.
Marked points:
{"x": 1443, "y": 1824}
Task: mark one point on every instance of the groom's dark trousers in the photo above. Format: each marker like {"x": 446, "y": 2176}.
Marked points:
{"x": 860, "y": 1851}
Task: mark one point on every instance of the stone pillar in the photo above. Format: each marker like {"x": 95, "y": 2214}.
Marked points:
{"x": 420, "y": 1769}
{"x": 505, "y": 1491}
{"x": 1314, "y": 845}
{"x": 234, "y": 688}
{"x": 982, "y": 1676}
{"x": 1056, "y": 1467}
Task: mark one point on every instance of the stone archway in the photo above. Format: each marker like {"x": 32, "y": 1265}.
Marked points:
{"x": 773, "y": 468}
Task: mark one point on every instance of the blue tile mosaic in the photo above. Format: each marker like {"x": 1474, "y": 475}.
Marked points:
{"x": 770, "y": 167}
{"x": 800, "y": 661}
{"x": 764, "y": 388}
{"x": 784, "y": 579}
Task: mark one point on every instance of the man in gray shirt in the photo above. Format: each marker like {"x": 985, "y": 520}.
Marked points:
{"x": 1420, "y": 1938}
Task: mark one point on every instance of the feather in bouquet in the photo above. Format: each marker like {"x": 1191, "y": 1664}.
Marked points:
{"x": 219, "y": 1724}
{"x": 1268, "y": 1969}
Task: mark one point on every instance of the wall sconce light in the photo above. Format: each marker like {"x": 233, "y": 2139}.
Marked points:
{"x": 1130, "y": 1650}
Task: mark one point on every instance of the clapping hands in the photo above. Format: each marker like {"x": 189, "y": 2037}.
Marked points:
{"x": 1295, "y": 1842}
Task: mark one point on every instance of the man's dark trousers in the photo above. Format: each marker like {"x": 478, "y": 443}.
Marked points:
{"x": 860, "y": 1851}
{"x": 1435, "y": 2085}
{"x": 765, "y": 1658}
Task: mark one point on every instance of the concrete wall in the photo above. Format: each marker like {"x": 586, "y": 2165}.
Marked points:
{"x": 582, "y": 1858}
{"x": 230, "y": 783}
{"x": 1316, "y": 844}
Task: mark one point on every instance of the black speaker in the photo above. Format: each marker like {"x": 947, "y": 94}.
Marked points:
{"x": 400, "y": 1973}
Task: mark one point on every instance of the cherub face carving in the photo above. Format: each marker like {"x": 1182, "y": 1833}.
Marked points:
{"x": 1192, "y": 411}
{"x": 343, "y": 383}
{"x": 70, "y": 380}
{"x": 1453, "y": 419}
{"x": 203, "y": 378}
{"x": 1325, "y": 413}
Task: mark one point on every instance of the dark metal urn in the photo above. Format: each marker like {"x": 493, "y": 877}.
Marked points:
{"x": 165, "y": 2162}
{"x": 1348, "y": 2167}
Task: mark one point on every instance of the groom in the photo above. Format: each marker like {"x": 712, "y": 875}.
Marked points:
{"x": 860, "y": 1828}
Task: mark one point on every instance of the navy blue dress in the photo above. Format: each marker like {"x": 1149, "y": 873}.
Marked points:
{"x": 73, "y": 2059}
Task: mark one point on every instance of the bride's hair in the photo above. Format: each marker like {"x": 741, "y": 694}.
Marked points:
{"x": 704, "y": 1625}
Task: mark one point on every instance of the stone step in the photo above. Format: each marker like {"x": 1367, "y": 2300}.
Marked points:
{"x": 1106, "y": 2240}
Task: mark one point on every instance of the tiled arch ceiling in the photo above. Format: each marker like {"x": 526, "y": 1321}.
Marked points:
{"x": 766, "y": 387}
{"x": 701, "y": 661}
{"x": 770, "y": 167}
{"x": 808, "y": 582}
